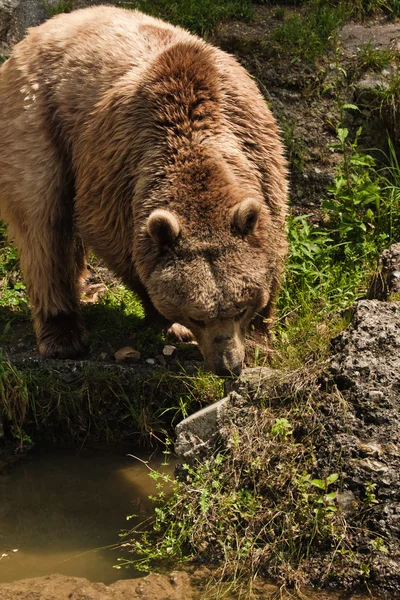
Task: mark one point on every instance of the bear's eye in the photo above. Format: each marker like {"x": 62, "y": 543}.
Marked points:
{"x": 198, "y": 323}
{"x": 240, "y": 315}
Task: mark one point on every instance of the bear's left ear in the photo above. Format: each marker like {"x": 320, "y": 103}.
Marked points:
{"x": 245, "y": 216}
{"x": 163, "y": 227}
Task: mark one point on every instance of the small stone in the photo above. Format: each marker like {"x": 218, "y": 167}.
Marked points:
{"x": 375, "y": 395}
{"x": 373, "y": 466}
{"x": 371, "y": 449}
{"x": 346, "y": 501}
{"x": 161, "y": 360}
{"x": 127, "y": 353}
{"x": 169, "y": 350}
{"x": 151, "y": 361}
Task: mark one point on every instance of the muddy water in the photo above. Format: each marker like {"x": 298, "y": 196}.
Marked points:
{"x": 59, "y": 510}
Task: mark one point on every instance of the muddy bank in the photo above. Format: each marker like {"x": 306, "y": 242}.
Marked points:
{"x": 60, "y": 587}
{"x": 176, "y": 586}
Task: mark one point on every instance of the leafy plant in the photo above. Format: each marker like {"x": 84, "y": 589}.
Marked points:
{"x": 199, "y": 17}
{"x": 369, "y": 57}
{"x": 57, "y": 7}
{"x": 308, "y": 33}
{"x": 358, "y": 215}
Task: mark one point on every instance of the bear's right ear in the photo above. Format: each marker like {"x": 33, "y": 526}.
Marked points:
{"x": 163, "y": 227}
{"x": 245, "y": 216}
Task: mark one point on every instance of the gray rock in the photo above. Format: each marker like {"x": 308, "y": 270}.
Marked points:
{"x": 367, "y": 90}
{"x": 387, "y": 279}
{"x": 15, "y": 18}
{"x": 196, "y": 435}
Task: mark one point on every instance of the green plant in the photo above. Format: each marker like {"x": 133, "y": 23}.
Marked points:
{"x": 199, "y": 17}
{"x": 295, "y": 149}
{"x": 330, "y": 263}
{"x": 254, "y": 506}
{"x": 279, "y": 13}
{"x": 370, "y": 57}
{"x": 361, "y": 8}
{"x": 12, "y": 287}
{"x": 308, "y": 33}
{"x": 57, "y": 7}
{"x": 359, "y": 216}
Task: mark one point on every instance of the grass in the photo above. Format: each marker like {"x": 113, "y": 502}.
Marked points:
{"x": 98, "y": 403}
{"x": 375, "y": 59}
{"x": 199, "y": 16}
{"x": 307, "y": 34}
{"x": 58, "y": 7}
{"x": 265, "y": 504}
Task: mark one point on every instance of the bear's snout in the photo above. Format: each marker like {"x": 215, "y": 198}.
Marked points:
{"x": 225, "y": 361}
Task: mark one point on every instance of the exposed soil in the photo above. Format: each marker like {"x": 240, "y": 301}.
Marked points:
{"x": 176, "y": 586}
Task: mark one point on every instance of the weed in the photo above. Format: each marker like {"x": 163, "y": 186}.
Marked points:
{"x": 57, "y": 7}
{"x": 199, "y": 17}
{"x": 329, "y": 265}
{"x": 14, "y": 397}
{"x": 295, "y": 149}
{"x": 307, "y": 35}
{"x": 369, "y": 57}
{"x": 279, "y": 13}
{"x": 361, "y": 8}
{"x": 260, "y": 506}
{"x": 12, "y": 287}
{"x": 362, "y": 219}
{"x": 98, "y": 402}
{"x": 389, "y": 102}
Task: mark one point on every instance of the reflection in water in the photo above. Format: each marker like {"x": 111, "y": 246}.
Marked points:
{"x": 59, "y": 509}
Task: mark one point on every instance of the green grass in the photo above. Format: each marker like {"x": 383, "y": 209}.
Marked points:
{"x": 58, "y": 7}
{"x": 262, "y": 505}
{"x": 307, "y": 34}
{"x": 375, "y": 59}
{"x": 99, "y": 403}
{"x": 330, "y": 265}
{"x": 13, "y": 292}
{"x": 199, "y": 16}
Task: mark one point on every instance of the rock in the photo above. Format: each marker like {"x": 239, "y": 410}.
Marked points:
{"x": 346, "y": 501}
{"x": 151, "y": 361}
{"x": 196, "y": 435}
{"x": 127, "y": 353}
{"x": 367, "y": 90}
{"x": 251, "y": 381}
{"x": 15, "y": 18}
{"x": 387, "y": 280}
{"x": 390, "y": 261}
{"x": 169, "y": 350}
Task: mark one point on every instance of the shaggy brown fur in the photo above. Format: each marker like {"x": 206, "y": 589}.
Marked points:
{"x": 132, "y": 137}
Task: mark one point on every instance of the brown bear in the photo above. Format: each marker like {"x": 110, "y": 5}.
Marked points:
{"x": 132, "y": 137}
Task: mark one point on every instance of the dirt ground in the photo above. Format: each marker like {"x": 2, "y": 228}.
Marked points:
{"x": 176, "y": 586}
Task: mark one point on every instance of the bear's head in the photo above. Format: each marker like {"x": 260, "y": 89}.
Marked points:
{"x": 212, "y": 275}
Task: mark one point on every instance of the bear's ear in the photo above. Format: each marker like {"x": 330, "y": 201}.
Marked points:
{"x": 163, "y": 227}
{"x": 245, "y": 216}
